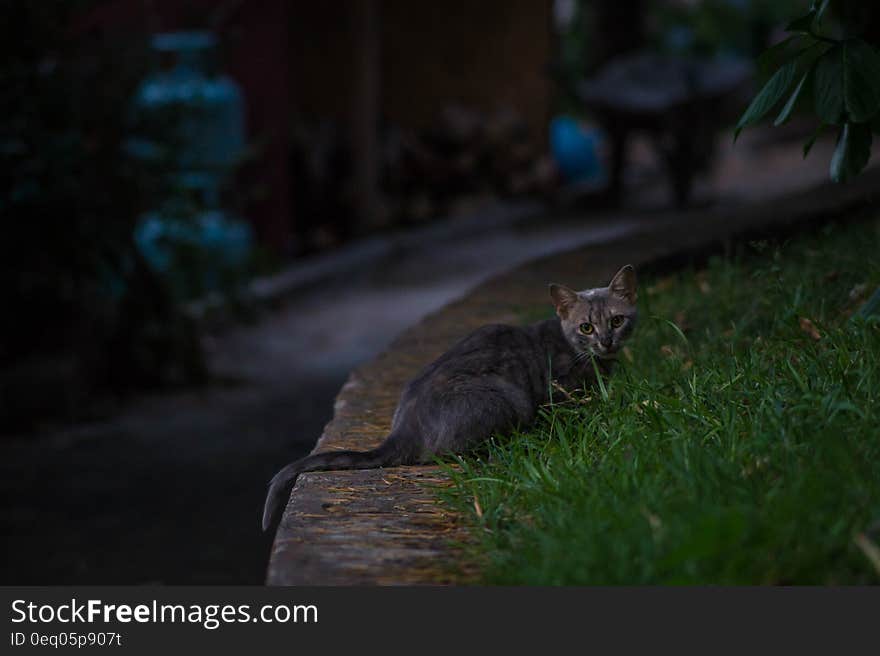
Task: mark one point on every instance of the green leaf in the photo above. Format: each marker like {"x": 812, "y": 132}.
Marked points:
{"x": 803, "y": 24}
{"x": 808, "y": 146}
{"x": 861, "y": 80}
{"x": 792, "y": 100}
{"x": 819, "y": 8}
{"x": 767, "y": 97}
{"x": 828, "y": 88}
{"x": 774, "y": 56}
{"x": 852, "y": 152}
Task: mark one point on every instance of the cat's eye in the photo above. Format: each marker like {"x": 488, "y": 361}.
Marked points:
{"x": 587, "y": 328}
{"x": 616, "y": 322}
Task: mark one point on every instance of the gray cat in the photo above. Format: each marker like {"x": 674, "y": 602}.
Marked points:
{"x": 492, "y": 381}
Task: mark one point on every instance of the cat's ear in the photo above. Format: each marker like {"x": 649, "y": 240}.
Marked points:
{"x": 563, "y": 298}
{"x": 623, "y": 284}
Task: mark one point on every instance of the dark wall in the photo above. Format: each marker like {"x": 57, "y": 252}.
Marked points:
{"x": 484, "y": 54}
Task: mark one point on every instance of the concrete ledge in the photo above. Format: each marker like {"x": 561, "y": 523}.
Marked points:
{"x": 371, "y": 527}
{"x": 385, "y": 526}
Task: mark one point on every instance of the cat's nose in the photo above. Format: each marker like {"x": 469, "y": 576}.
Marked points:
{"x": 606, "y": 342}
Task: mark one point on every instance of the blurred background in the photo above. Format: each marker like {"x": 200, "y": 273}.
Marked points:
{"x": 214, "y": 209}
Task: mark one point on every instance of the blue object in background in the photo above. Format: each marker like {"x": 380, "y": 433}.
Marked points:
{"x": 209, "y": 137}
{"x": 209, "y": 107}
{"x": 196, "y": 253}
{"x": 575, "y": 150}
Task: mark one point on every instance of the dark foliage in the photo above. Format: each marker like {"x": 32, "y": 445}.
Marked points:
{"x": 829, "y": 65}
{"x": 76, "y": 293}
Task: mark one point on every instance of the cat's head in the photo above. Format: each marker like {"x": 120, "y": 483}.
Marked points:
{"x": 599, "y": 320}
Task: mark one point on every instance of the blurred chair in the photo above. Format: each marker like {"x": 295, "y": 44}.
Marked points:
{"x": 680, "y": 102}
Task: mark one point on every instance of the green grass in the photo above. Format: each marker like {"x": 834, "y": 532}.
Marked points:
{"x": 734, "y": 448}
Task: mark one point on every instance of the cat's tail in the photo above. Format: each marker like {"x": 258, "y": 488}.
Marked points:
{"x": 282, "y": 482}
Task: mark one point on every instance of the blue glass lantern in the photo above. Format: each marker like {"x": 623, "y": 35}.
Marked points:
{"x": 207, "y": 112}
